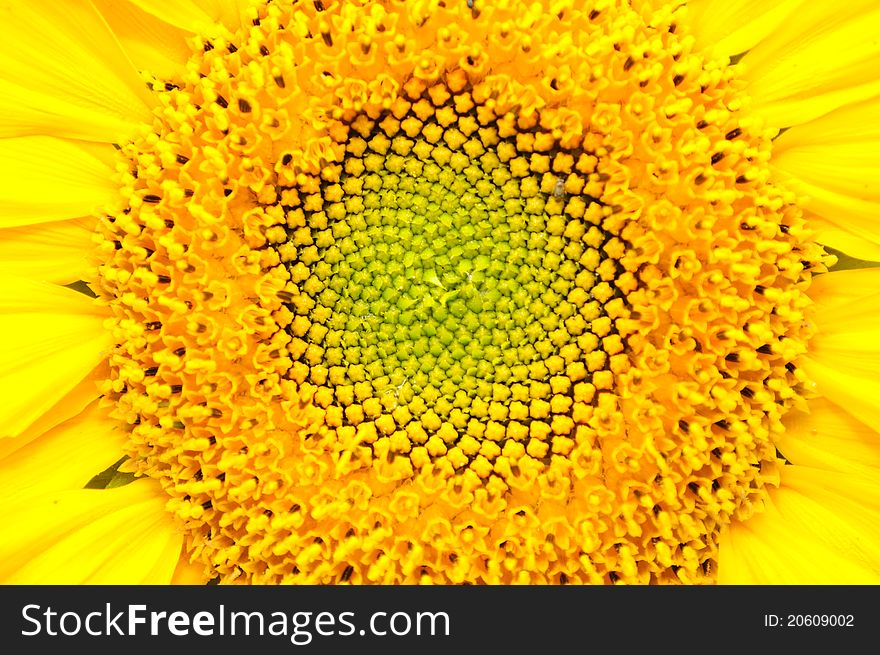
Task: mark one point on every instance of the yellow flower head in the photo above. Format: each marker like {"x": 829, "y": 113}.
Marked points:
{"x": 447, "y": 291}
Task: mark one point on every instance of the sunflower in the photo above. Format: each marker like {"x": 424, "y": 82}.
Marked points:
{"x": 440, "y": 291}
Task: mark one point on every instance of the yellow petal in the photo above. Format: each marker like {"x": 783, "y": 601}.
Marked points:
{"x": 45, "y": 179}
{"x": 819, "y": 527}
{"x": 826, "y": 437}
{"x": 153, "y": 45}
{"x": 65, "y": 75}
{"x": 90, "y": 536}
{"x": 197, "y": 16}
{"x": 824, "y": 56}
{"x": 70, "y": 405}
{"x": 64, "y": 458}
{"x": 730, "y": 27}
{"x": 842, "y": 288}
{"x": 835, "y": 162}
{"x": 846, "y": 374}
{"x": 851, "y": 240}
{"x": 52, "y": 338}
{"x": 844, "y": 355}
{"x": 227, "y": 12}
{"x": 20, "y": 296}
{"x": 53, "y": 252}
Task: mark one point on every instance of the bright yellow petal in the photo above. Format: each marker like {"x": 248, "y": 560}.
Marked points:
{"x": 819, "y": 527}
{"x": 842, "y": 288}
{"x": 730, "y": 27}
{"x": 53, "y": 252}
{"x": 52, "y": 338}
{"x": 155, "y": 33}
{"x": 64, "y": 458}
{"x": 45, "y": 179}
{"x": 844, "y": 355}
{"x": 847, "y": 374}
{"x": 228, "y": 12}
{"x": 152, "y": 44}
{"x": 90, "y": 536}
{"x": 827, "y": 437}
{"x": 835, "y": 162}
{"x": 845, "y": 239}
{"x": 822, "y": 57}
{"x": 70, "y": 405}
{"x": 65, "y": 75}
{"x": 20, "y": 296}
{"x": 197, "y": 16}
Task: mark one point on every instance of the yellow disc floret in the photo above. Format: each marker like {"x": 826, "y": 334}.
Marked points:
{"x": 455, "y": 292}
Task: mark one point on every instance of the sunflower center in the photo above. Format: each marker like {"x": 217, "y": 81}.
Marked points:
{"x": 403, "y": 292}
{"x": 450, "y": 281}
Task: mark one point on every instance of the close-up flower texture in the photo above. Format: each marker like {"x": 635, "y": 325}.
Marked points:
{"x": 440, "y": 291}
